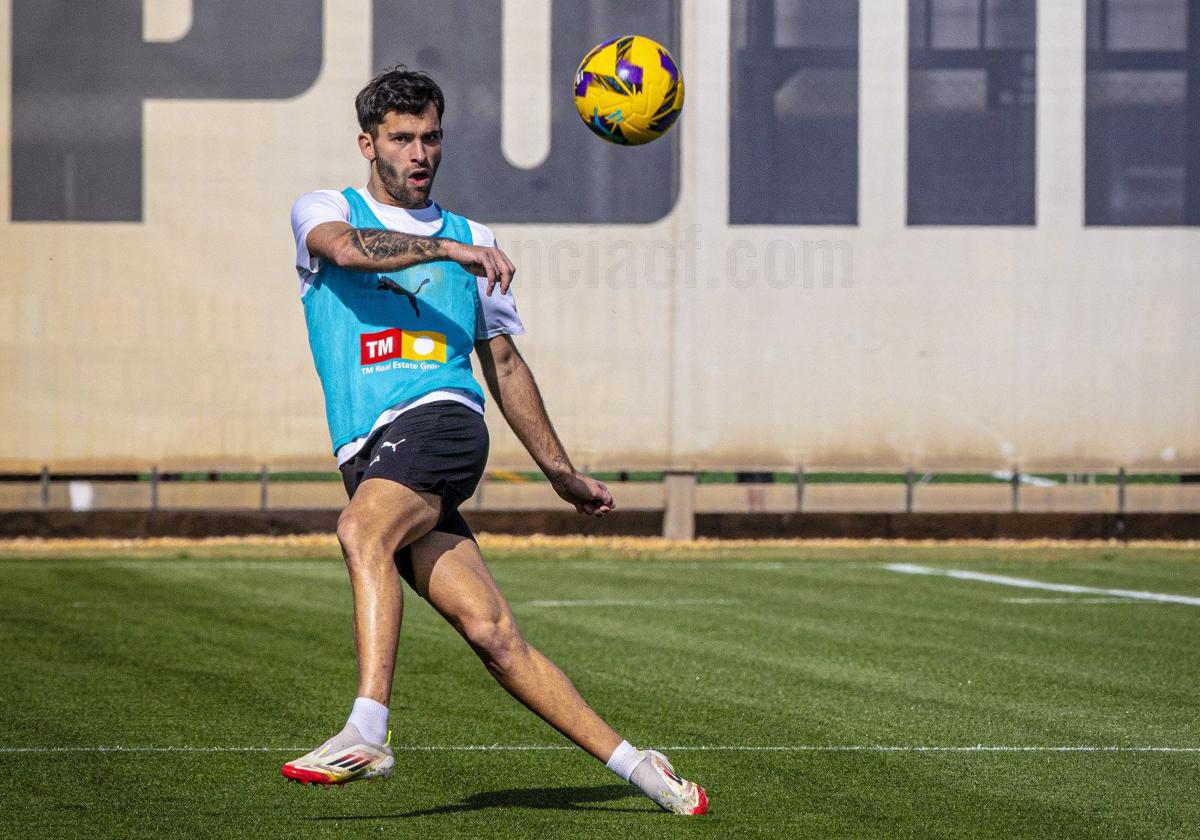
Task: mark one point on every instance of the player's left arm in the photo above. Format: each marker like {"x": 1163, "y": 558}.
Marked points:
{"x": 516, "y": 392}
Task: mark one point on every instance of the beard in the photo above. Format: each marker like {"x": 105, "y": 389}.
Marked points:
{"x": 397, "y": 186}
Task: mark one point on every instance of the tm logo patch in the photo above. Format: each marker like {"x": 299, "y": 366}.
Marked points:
{"x": 411, "y": 345}
{"x": 381, "y": 346}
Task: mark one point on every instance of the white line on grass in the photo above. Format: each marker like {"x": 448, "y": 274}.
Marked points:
{"x": 1126, "y": 601}
{"x": 724, "y": 565}
{"x": 631, "y": 602}
{"x": 691, "y": 565}
{"x": 906, "y": 748}
{"x": 781, "y": 748}
{"x": 220, "y": 566}
{"x": 1025, "y": 583}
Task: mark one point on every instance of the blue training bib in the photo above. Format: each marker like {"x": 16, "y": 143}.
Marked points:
{"x": 381, "y": 339}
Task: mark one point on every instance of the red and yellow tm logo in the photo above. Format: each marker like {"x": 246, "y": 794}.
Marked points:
{"x": 413, "y": 345}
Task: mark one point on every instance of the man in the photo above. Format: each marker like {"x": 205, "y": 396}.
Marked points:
{"x": 395, "y": 290}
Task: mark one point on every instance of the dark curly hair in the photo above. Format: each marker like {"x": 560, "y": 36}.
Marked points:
{"x": 396, "y": 89}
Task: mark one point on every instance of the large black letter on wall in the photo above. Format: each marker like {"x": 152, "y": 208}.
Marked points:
{"x": 81, "y": 71}
{"x": 584, "y": 179}
{"x": 971, "y": 112}
{"x": 1143, "y": 113}
{"x": 793, "y": 123}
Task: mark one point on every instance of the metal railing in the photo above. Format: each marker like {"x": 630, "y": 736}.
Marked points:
{"x": 801, "y": 478}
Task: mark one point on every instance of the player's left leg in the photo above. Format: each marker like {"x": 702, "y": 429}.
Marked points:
{"x": 449, "y": 572}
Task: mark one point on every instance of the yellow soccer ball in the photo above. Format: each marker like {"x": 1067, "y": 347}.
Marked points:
{"x": 629, "y": 90}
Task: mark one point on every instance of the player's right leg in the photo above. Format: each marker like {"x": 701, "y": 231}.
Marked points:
{"x": 400, "y": 483}
{"x": 382, "y": 517}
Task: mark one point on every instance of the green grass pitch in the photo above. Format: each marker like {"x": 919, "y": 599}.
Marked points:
{"x": 814, "y": 692}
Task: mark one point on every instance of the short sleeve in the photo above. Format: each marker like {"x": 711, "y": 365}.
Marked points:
{"x": 498, "y": 313}
{"x": 310, "y": 210}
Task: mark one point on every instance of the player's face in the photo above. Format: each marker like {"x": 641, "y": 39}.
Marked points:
{"x": 404, "y": 155}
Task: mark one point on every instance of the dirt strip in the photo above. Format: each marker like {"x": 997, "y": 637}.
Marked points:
{"x": 324, "y": 545}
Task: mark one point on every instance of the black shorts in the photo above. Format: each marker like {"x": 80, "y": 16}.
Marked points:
{"x": 438, "y": 448}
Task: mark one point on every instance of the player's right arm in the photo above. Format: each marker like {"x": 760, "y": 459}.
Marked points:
{"x": 376, "y": 249}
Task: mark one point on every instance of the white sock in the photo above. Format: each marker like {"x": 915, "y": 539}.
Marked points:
{"x": 370, "y": 718}
{"x": 624, "y": 759}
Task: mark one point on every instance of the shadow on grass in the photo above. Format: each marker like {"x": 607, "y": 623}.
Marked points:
{"x": 560, "y": 798}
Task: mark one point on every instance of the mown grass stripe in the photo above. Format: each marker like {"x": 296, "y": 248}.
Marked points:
{"x": 779, "y": 748}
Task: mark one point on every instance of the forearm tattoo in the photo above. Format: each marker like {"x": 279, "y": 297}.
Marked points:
{"x": 378, "y": 244}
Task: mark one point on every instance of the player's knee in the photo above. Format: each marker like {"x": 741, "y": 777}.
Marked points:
{"x": 348, "y": 530}
{"x": 356, "y": 536}
{"x": 497, "y": 641}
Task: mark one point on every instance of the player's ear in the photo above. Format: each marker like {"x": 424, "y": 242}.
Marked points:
{"x": 366, "y": 145}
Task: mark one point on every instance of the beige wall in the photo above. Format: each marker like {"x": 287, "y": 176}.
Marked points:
{"x": 180, "y": 340}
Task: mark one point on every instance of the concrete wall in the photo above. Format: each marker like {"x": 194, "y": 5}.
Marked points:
{"x": 179, "y": 339}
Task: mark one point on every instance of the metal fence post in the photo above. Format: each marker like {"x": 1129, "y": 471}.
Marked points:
{"x": 908, "y": 491}
{"x": 154, "y": 488}
{"x": 799, "y": 488}
{"x": 263, "y": 484}
{"x": 1120, "y": 529}
{"x": 45, "y": 487}
{"x": 1016, "y": 488}
{"x": 679, "y": 518}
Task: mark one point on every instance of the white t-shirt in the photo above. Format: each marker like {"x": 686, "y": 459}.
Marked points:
{"x": 499, "y": 311}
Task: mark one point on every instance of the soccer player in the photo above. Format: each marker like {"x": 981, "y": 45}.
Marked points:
{"x": 397, "y": 291}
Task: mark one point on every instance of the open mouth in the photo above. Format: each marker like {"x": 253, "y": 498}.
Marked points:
{"x": 419, "y": 177}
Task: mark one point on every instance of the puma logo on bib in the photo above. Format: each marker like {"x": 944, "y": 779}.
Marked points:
{"x": 395, "y": 288}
